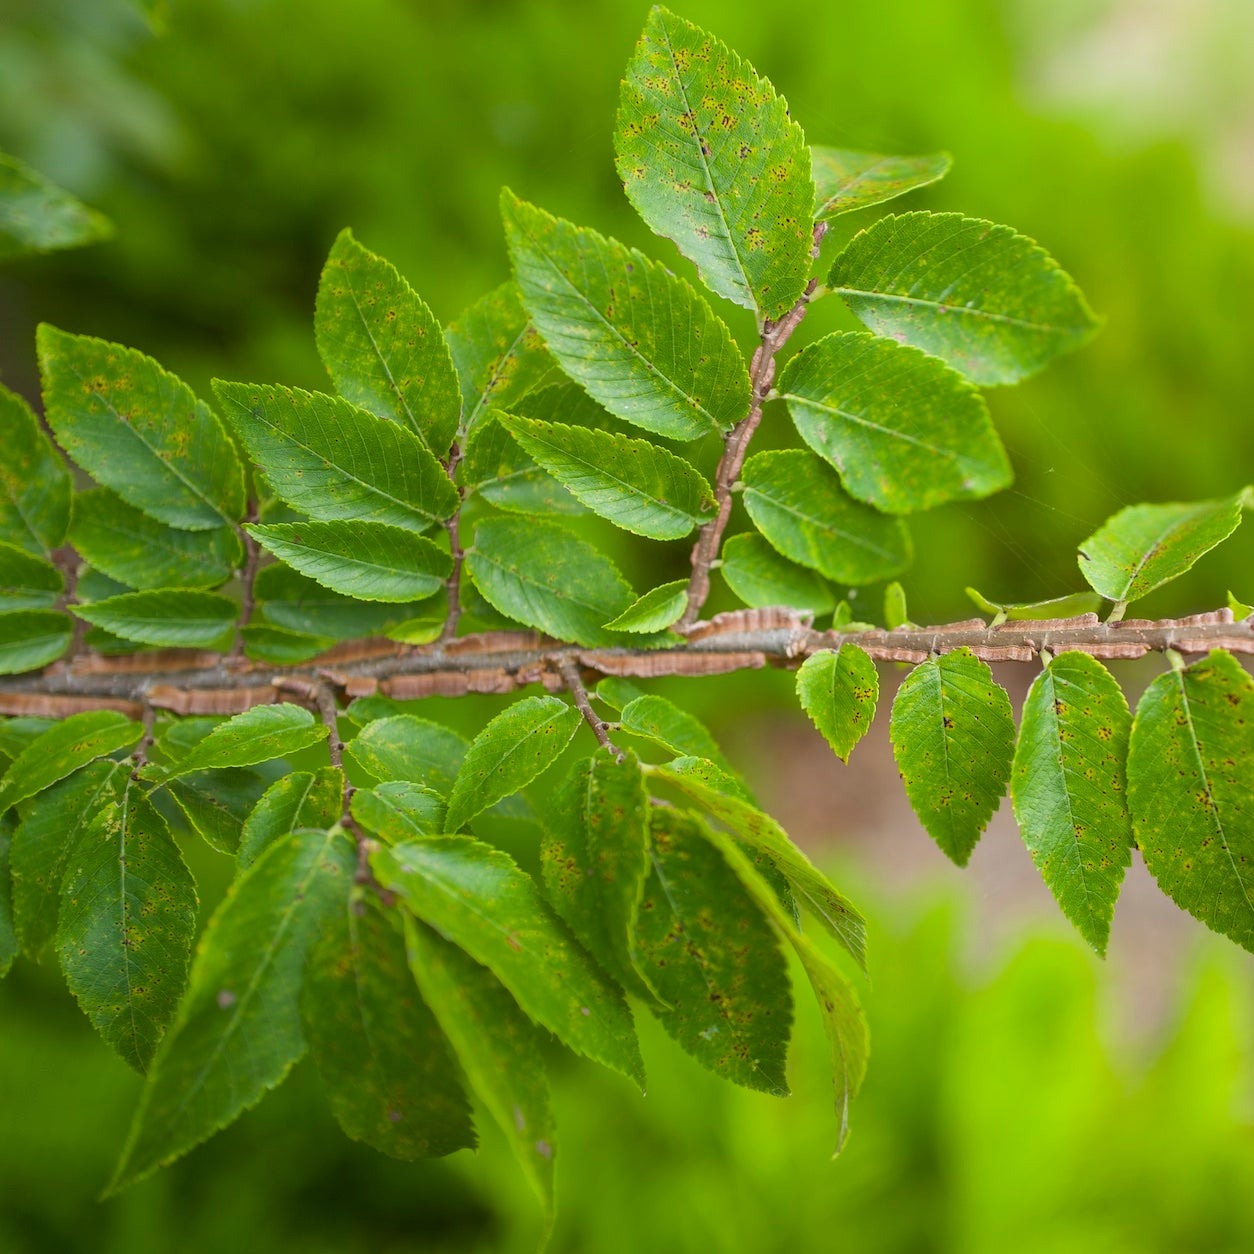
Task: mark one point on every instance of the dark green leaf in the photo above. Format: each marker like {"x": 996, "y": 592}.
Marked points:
{"x": 176, "y": 617}
{"x": 399, "y": 811}
{"x": 35, "y": 485}
{"x": 302, "y": 799}
{"x": 264, "y": 642}
{"x": 30, "y": 639}
{"x": 258, "y": 735}
{"x": 17, "y": 733}
{"x": 27, "y": 582}
{"x": 838, "y": 689}
{"x": 217, "y": 803}
{"x": 497, "y": 469}
{"x": 845, "y": 180}
{"x": 658, "y": 609}
{"x": 37, "y": 216}
{"x": 760, "y": 577}
{"x": 414, "y": 750}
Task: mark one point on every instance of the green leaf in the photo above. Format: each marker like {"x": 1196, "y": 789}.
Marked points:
{"x": 542, "y": 575}
{"x": 1239, "y": 609}
{"x": 845, "y": 180}
{"x": 383, "y": 347}
{"x": 127, "y": 917}
{"x": 370, "y": 561}
{"x": 411, "y": 749}
{"x": 1189, "y": 791}
{"x": 678, "y": 732}
{"x": 27, "y": 582}
{"x": 658, "y": 609}
{"x": 797, "y": 503}
{"x": 896, "y": 614}
{"x": 710, "y": 159}
{"x": 905, "y": 431}
{"x": 595, "y": 858}
{"x": 238, "y": 1030}
{"x": 16, "y": 734}
{"x": 51, "y": 827}
{"x": 280, "y": 647}
{"x": 499, "y": 1050}
{"x": 953, "y": 736}
{"x": 37, "y": 216}
{"x": 30, "y": 639}
{"x": 1069, "y": 606}
{"x": 9, "y": 948}
{"x": 139, "y": 430}
{"x": 1070, "y": 790}
{"x": 384, "y": 1063}
{"x": 518, "y": 745}
{"x": 1145, "y": 546}
{"x": 291, "y": 601}
{"x": 258, "y": 735}
{"x": 216, "y": 804}
{"x": 640, "y": 340}
{"x": 992, "y": 303}
{"x": 174, "y": 617}
{"x": 713, "y": 958}
{"x": 838, "y": 689}
{"x": 499, "y": 355}
{"x": 399, "y": 811}
{"x": 333, "y": 461}
{"x": 715, "y": 792}
{"x": 455, "y": 883}
{"x": 498, "y": 470}
{"x": 302, "y": 799}
{"x": 760, "y": 577}
{"x": 140, "y": 552}
{"x": 62, "y": 749}
{"x": 35, "y": 487}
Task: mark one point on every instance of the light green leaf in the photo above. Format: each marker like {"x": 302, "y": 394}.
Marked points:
{"x": 839, "y": 689}
{"x": 302, "y": 799}
{"x": 1189, "y": 791}
{"x": 384, "y": 1063}
{"x": 258, "y": 735}
{"x": 175, "y": 617}
{"x": 410, "y": 749}
{"x": 953, "y": 736}
{"x": 518, "y": 745}
{"x": 1239, "y": 609}
{"x": 636, "y": 485}
{"x": 658, "y": 609}
{"x": 457, "y": 885}
{"x": 905, "y": 431}
{"x": 499, "y": 1050}
{"x": 238, "y": 1030}
{"x": 1069, "y": 606}
{"x": 896, "y": 614}
{"x": 845, "y": 180}
{"x": 140, "y": 552}
{"x": 797, "y": 503}
{"x": 37, "y": 216}
{"x": 291, "y": 601}
{"x": 989, "y": 301}
{"x": 617, "y": 693}
{"x": 35, "y": 485}
{"x": 678, "y": 732}
{"x": 640, "y": 340}
{"x": 30, "y": 639}
{"x": 399, "y": 811}
{"x": 127, "y": 917}
{"x": 139, "y": 430}
{"x": 1069, "y": 789}
{"x": 27, "y": 582}
{"x": 383, "y": 347}
{"x": 333, "y": 461}
{"x": 760, "y": 577}
{"x": 542, "y": 575}
{"x": 710, "y": 159}
{"x": 62, "y": 749}
{"x": 498, "y": 470}
{"x": 1145, "y": 546}
{"x": 370, "y": 561}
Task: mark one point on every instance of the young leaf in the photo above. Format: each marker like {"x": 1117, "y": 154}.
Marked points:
{"x": 595, "y": 858}
{"x": 953, "y": 736}
{"x": 37, "y": 216}
{"x": 454, "y": 882}
{"x": 713, "y": 958}
{"x": 35, "y": 484}
{"x": 760, "y": 577}
{"x": 383, "y": 1061}
{"x": 369, "y": 561}
{"x": 1239, "y": 609}
{"x": 27, "y": 582}
{"x": 140, "y": 552}
{"x": 62, "y": 749}
{"x": 542, "y": 575}
{"x": 499, "y": 1050}
{"x": 1189, "y": 791}
{"x": 405, "y": 747}
{"x": 258, "y": 735}
{"x": 710, "y": 159}
{"x": 1070, "y": 790}
{"x": 238, "y": 1030}
{"x": 127, "y": 917}
{"x": 904, "y": 431}
{"x": 845, "y": 180}
{"x": 636, "y": 485}
{"x": 989, "y": 301}
{"x": 333, "y": 461}
{"x": 137, "y": 429}
{"x": 1145, "y": 546}
{"x": 399, "y": 811}
{"x": 497, "y": 470}
{"x": 658, "y": 609}
{"x": 896, "y": 613}
{"x": 519, "y": 744}
{"x": 838, "y": 689}
{"x": 681, "y": 734}
{"x": 1069, "y": 606}
{"x": 383, "y": 347}
{"x": 30, "y": 639}
{"x": 175, "y": 617}
{"x": 797, "y": 503}
{"x": 300, "y": 799}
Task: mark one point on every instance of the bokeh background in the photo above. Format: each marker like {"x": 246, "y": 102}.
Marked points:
{"x": 1022, "y": 1094}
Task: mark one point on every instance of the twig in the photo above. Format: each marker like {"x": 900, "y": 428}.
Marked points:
{"x": 569, "y": 672}
{"x": 453, "y": 526}
{"x": 148, "y": 717}
{"x": 67, "y": 561}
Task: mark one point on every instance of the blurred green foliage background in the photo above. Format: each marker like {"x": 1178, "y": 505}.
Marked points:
{"x": 1002, "y": 1111}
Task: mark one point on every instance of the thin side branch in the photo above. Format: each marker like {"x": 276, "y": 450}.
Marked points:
{"x": 568, "y": 668}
